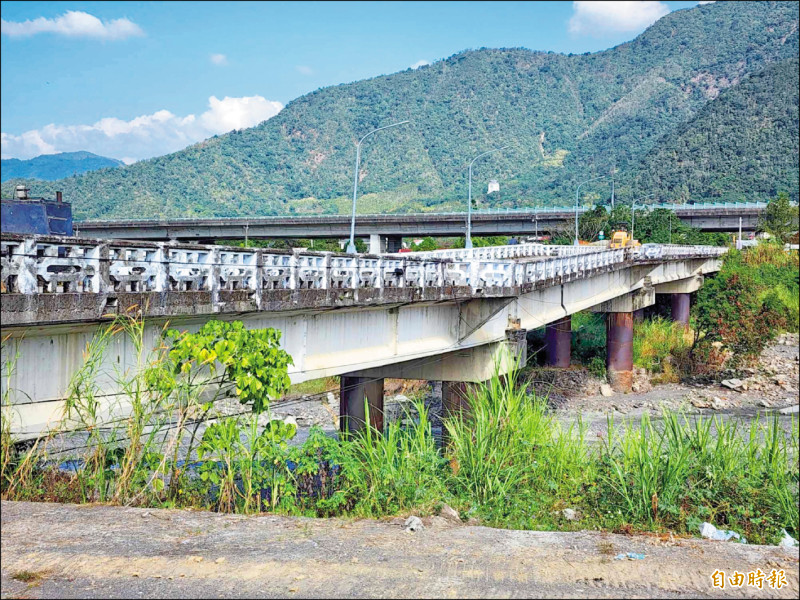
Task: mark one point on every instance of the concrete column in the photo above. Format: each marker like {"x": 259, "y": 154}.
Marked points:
{"x": 376, "y": 244}
{"x": 558, "y": 338}
{"x": 394, "y": 243}
{"x": 619, "y": 350}
{"x": 681, "y": 303}
{"x": 352, "y": 391}
{"x": 455, "y": 397}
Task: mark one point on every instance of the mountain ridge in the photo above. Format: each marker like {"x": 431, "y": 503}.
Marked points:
{"x": 51, "y": 167}
{"x": 568, "y": 117}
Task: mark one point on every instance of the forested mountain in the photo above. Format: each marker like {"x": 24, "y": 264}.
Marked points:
{"x": 54, "y": 166}
{"x": 741, "y": 146}
{"x": 566, "y": 118}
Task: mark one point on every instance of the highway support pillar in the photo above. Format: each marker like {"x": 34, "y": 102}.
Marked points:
{"x": 352, "y": 393}
{"x": 558, "y": 339}
{"x": 394, "y": 243}
{"x": 619, "y": 350}
{"x": 377, "y": 244}
{"x": 681, "y": 303}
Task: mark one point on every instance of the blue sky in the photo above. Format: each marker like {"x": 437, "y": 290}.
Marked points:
{"x": 139, "y": 79}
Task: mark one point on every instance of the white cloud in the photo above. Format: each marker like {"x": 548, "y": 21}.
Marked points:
{"x": 419, "y": 63}
{"x": 219, "y": 59}
{"x": 598, "y": 18}
{"x": 142, "y": 137}
{"x": 73, "y": 24}
{"x": 304, "y": 70}
{"x": 706, "y": 2}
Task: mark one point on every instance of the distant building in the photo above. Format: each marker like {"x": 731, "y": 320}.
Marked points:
{"x": 24, "y": 215}
{"x": 494, "y": 186}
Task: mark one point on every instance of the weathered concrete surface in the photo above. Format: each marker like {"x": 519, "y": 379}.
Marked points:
{"x": 112, "y": 552}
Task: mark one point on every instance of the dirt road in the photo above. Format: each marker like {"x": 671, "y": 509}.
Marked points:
{"x": 71, "y": 551}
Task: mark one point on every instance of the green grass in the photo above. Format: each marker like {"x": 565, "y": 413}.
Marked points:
{"x": 507, "y": 461}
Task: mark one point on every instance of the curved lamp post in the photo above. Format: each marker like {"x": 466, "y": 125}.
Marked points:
{"x": 468, "y": 241}
{"x": 575, "y": 243}
{"x": 633, "y": 210}
{"x": 351, "y": 246}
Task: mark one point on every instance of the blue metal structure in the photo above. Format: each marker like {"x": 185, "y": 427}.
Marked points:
{"x": 36, "y": 216}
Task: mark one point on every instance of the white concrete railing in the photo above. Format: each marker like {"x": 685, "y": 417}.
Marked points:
{"x": 46, "y": 264}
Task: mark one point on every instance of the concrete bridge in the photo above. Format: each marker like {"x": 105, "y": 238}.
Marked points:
{"x": 386, "y": 231}
{"x": 447, "y": 315}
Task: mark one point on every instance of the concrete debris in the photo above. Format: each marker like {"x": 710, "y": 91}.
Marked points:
{"x": 718, "y": 403}
{"x": 606, "y": 390}
{"x": 450, "y": 513}
{"x": 330, "y": 398}
{"x": 733, "y": 384}
{"x": 413, "y": 524}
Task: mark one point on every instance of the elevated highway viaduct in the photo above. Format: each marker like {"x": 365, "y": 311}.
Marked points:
{"x": 449, "y": 315}
{"x": 386, "y": 231}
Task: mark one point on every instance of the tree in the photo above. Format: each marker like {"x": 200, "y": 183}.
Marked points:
{"x": 780, "y": 218}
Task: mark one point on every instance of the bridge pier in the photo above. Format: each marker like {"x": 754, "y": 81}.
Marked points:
{"x": 681, "y": 304}
{"x": 352, "y": 392}
{"x": 680, "y": 292}
{"x": 558, "y": 340}
{"x": 619, "y": 350}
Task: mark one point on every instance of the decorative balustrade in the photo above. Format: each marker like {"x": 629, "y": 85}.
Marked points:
{"x": 51, "y": 265}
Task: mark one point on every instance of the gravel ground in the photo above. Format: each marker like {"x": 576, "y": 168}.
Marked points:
{"x": 67, "y": 551}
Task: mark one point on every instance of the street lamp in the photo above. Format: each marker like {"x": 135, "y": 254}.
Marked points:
{"x": 351, "y": 246}
{"x": 468, "y": 241}
{"x": 575, "y": 243}
{"x": 633, "y": 210}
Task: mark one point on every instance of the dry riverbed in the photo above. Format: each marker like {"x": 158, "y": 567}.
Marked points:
{"x": 67, "y": 551}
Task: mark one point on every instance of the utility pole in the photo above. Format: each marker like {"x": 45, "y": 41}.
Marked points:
{"x": 576, "y": 242}
{"x": 468, "y": 241}
{"x": 351, "y": 246}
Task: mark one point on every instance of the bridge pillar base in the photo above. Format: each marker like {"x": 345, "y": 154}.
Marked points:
{"x": 352, "y": 392}
{"x": 619, "y": 350}
{"x": 638, "y": 315}
{"x": 681, "y": 304}
{"x": 558, "y": 340}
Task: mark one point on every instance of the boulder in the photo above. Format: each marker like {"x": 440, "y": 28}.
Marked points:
{"x": 606, "y": 390}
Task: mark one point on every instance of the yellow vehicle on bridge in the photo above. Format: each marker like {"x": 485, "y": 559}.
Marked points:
{"x": 621, "y": 238}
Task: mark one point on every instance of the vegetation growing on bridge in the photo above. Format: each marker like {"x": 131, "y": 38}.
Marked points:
{"x": 508, "y": 461}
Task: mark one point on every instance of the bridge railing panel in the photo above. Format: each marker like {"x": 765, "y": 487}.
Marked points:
{"x": 49, "y": 265}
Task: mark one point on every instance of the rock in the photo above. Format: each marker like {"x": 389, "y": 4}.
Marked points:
{"x": 570, "y": 514}
{"x": 413, "y": 524}
{"x": 718, "y": 403}
{"x": 439, "y": 522}
{"x": 450, "y": 513}
{"x": 701, "y": 402}
{"x": 331, "y": 398}
{"x": 764, "y": 403}
{"x": 789, "y": 410}
{"x": 473, "y": 521}
{"x": 733, "y": 384}
{"x": 606, "y": 390}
